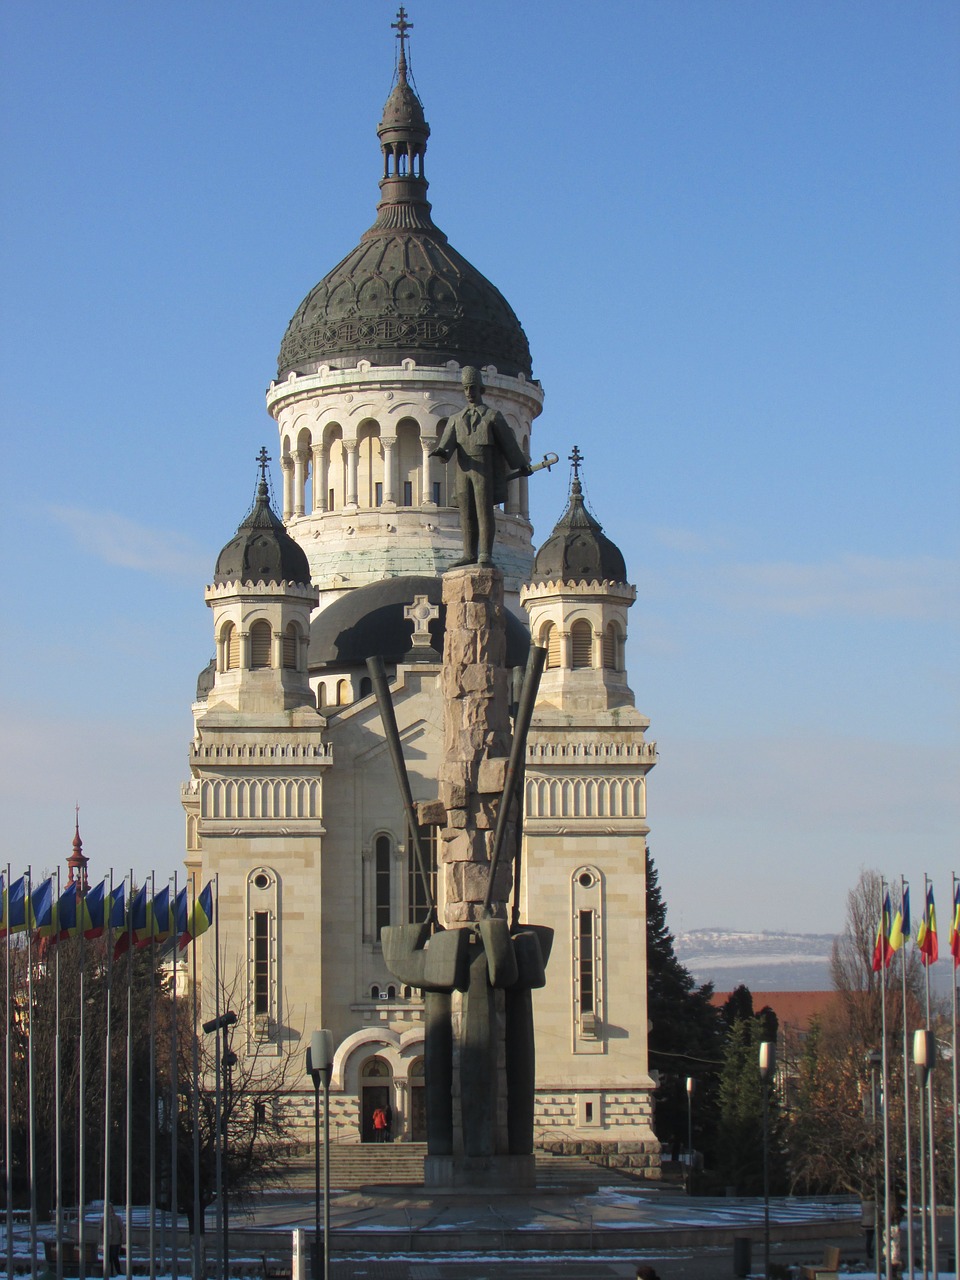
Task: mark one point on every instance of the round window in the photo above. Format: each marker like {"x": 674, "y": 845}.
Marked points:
{"x": 586, "y": 879}
{"x": 261, "y": 880}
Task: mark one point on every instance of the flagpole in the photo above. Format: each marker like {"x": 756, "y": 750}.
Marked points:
{"x": 58, "y": 1094}
{"x": 107, "y": 1078}
{"x": 174, "y": 1105}
{"x": 8, "y": 1073}
{"x": 81, "y": 1115}
{"x": 197, "y": 1261}
{"x": 905, "y": 933}
{"x": 222, "y": 1234}
{"x": 31, "y": 1084}
{"x": 128, "y": 1212}
{"x": 152, "y": 1228}
{"x": 885, "y": 945}
{"x": 955, "y": 946}
{"x": 934, "y": 1261}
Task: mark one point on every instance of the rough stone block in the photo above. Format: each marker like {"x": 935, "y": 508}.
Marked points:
{"x": 459, "y": 647}
{"x": 431, "y": 813}
{"x": 456, "y": 772}
{"x": 460, "y": 845}
{"x": 491, "y": 646}
{"x": 457, "y": 818}
{"x": 474, "y": 615}
{"x": 477, "y": 678}
{"x": 454, "y": 795}
{"x": 492, "y": 775}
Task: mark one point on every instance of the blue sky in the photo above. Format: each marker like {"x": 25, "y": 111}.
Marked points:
{"x": 730, "y": 233}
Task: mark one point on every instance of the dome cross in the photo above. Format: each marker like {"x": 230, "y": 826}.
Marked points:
{"x": 402, "y": 26}
{"x": 262, "y": 459}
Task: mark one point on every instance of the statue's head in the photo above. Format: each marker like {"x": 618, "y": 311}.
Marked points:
{"x": 470, "y": 377}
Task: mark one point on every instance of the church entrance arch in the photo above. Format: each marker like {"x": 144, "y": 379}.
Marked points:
{"x": 418, "y": 1102}
{"x": 376, "y": 1090}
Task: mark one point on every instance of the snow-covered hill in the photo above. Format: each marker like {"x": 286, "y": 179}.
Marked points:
{"x": 762, "y": 961}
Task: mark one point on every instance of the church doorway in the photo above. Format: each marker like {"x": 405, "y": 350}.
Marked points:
{"x": 418, "y": 1103}
{"x": 376, "y": 1089}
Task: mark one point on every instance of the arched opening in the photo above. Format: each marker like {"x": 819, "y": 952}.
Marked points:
{"x": 231, "y": 647}
{"x": 376, "y": 1089}
{"x": 321, "y": 696}
{"x": 343, "y": 693}
{"x": 409, "y": 463}
{"x": 610, "y": 647}
{"x": 550, "y": 640}
{"x": 382, "y": 881}
{"x": 369, "y": 465}
{"x": 260, "y": 637}
{"x": 366, "y": 687}
{"x": 291, "y": 639}
{"x": 418, "y": 1101}
{"x": 581, "y": 645}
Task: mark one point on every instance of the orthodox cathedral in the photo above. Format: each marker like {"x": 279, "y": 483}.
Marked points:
{"x": 292, "y": 803}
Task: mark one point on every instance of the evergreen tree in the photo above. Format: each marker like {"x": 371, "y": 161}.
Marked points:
{"x": 739, "y": 1162}
{"x": 684, "y": 1032}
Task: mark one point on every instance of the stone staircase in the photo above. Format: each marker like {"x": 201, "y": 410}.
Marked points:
{"x": 401, "y": 1164}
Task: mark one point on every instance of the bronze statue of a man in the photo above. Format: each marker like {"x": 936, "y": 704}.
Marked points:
{"x": 485, "y": 449}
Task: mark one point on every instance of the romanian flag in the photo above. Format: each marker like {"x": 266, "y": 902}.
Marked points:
{"x": 103, "y": 910}
{"x": 955, "y": 926}
{"x": 136, "y": 923}
{"x": 882, "y": 954}
{"x": 180, "y": 912}
{"x": 200, "y": 916}
{"x": 158, "y": 926}
{"x": 927, "y": 932}
{"x": 900, "y": 929}
{"x": 45, "y": 910}
{"x": 17, "y": 909}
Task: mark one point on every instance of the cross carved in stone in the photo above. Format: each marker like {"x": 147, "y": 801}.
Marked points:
{"x": 421, "y": 613}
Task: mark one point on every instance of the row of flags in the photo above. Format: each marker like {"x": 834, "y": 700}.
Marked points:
{"x": 74, "y": 913}
{"x": 894, "y": 931}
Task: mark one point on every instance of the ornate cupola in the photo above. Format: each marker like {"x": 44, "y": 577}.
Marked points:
{"x": 78, "y": 861}
{"x": 577, "y": 602}
{"x": 369, "y": 372}
{"x": 261, "y": 598}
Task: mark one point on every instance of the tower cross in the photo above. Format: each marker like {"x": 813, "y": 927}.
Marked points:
{"x": 576, "y": 458}
{"x": 402, "y": 26}
{"x": 262, "y": 459}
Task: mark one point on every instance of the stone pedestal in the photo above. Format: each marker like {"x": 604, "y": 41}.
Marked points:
{"x": 476, "y": 726}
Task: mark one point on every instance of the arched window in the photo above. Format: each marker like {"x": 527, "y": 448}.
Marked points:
{"x": 581, "y": 644}
{"x": 550, "y": 640}
{"x": 321, "y": 695}
{"x": 231, "y": 647}
{"x": 290, "y": 638}
{"x": 587, "y": 956}
{"x": 610, "y": 638}
{"x": 417, "y": 907}
{"x": 366, "y": 687}
{"x": 343, "y": 693}
{"x": 382, "y": 883}
{"x": 260, "y": 637}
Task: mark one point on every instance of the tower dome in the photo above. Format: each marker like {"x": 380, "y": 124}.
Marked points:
{"x": 262, "y": 550}
{"x": 578, "y": 550}
{"x": 404, "y": 292}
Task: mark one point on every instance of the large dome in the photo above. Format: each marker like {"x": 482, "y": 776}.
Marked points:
{"x": 370, "y": 620}
{"x": 404, "y": 291}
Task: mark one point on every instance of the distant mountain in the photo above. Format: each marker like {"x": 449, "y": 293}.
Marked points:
{"x": 761, "y": 961}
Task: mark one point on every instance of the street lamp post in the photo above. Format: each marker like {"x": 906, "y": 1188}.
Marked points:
{"x": 924, "y": 1055}
{"x": 691, "y": 1087}
{"x": 874, "y": 1060}
{"x": 215, "y": 1026}
{"x": 768, "y": 1057}
{"x": 320, "y": 1067}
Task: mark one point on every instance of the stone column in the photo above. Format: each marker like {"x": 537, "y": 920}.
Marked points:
{"x": 286, "y": 465}
{"x": 476, "y": 741}
{"x": 319, "y": 477}
{"x": 389, "y": 445}
{"x": 350, "y": 449}
{"x": 426, "y": 481}
{"x": 300, "y": 481}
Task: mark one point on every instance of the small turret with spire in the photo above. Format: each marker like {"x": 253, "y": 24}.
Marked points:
{"x": 77, "y": 862}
